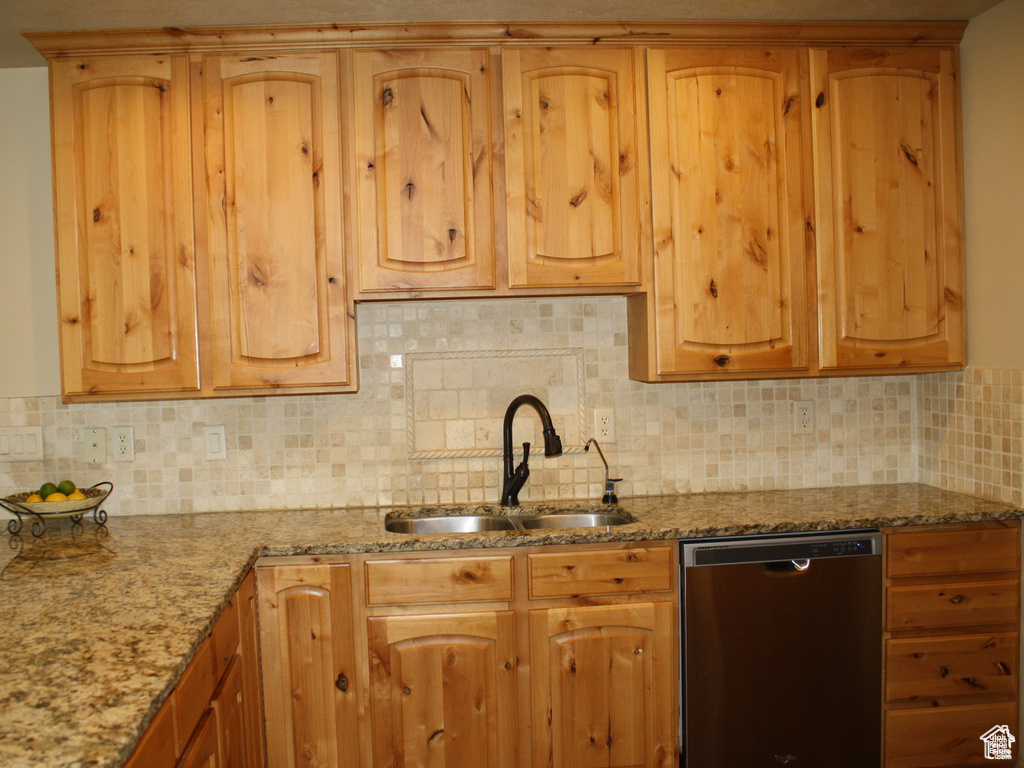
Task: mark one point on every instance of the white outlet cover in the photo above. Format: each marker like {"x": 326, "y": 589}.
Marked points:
{"x": 123, "y": 439}
{"x": 214, "y": 445}
{"x": 94, "y": 445}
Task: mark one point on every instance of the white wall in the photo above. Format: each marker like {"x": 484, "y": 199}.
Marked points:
{"x": 992, "y": 79}
{"x": 29, "y": 361}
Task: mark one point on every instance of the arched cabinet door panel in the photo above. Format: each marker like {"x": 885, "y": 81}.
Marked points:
{"x": 442, "y": 689}
{"x": 730, "y": 291}
{"x": 888, "y": 206}
{"x": 278, "y": 301}
{"x": 603, "y": 683}
{"x": 423, "y": 201}
{"x": 311, "y": 690}
{"x": 574, "y": 201}
{"x": 124, "y": 226}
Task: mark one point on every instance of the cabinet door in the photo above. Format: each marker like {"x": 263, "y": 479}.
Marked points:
{"x": 278, "y": 303}
{"x": 421, "y": 125}
{"x": 308, "y": 665}
{"x": 124, "y": 229}
{"x": 228, "y": 702}
{"x": 252, "y": 684}
{"x": 888, "y": 211}
{"x": 443, "y": 690}
{"x": 604, "y": 685}
{"x": 201, "y": 751}
{"x": 574, "y": 200}
{"x": 726, "y": 163}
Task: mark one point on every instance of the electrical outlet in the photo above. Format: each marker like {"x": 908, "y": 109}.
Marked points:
{"x": 94, "y": 445}
{"x": 124, "y": 443}
{"x": 604, "y": 425}
{"x": 803, "y": 417}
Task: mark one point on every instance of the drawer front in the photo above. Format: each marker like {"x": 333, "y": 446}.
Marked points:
{"x": 952, "y": 605}
{"x": 939, "y": 667}
{"x": 438, "y": 580}
{"x": 605, "y": 572}
{"x": 950, "y": 552}
{"x": 940, "y": 736}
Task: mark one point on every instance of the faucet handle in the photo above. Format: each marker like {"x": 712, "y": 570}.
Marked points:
{"x": 526, "y": 453}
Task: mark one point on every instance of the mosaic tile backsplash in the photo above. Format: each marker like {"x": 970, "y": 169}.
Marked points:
{"x": 436, "y": 378}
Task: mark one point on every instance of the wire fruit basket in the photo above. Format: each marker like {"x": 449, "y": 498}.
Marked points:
{"x": 40, "y": 511}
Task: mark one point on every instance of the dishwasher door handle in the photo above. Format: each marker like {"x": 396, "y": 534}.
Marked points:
{"x": 783, "y": 567}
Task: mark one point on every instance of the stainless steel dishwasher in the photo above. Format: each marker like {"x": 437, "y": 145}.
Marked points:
{"x": 782, "y": 654}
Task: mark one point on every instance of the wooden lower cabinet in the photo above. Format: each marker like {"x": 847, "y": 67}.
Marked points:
{"x": 509, "y": 657}
{"x": 604, "y": 685}
{"x": 214, "y": 717}
{"x": 309, "y": 671}
{"x": 443, "y": 689}
{"x": 952, "y": 634}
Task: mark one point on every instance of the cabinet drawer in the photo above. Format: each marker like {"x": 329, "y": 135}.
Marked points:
{"x": 568, "y": 574}
{"x": 952, "y": 605}
{"x": 940, "y": 736}
{"x": 962, "y": 550}
{"x": 438, "y": 580}
{"x": 937, "y": 667}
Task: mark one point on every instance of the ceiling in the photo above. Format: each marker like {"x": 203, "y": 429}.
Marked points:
{"x": 18, "y": 16}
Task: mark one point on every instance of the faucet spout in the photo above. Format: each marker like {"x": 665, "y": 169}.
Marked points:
{"x": 514, "y": 479}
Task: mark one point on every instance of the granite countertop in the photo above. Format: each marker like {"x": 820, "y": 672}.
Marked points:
{"x": 98, "y": 623}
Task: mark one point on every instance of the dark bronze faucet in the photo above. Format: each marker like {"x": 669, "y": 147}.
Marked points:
{"x": 515, "y": 480}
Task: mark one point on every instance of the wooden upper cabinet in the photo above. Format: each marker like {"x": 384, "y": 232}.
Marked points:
{"x": 423, "y": 203}
{"x": 730, "y": 291}
{"x": 888, "y": 208}
{"x": 124, "y": 227}
{"x": 572, "y": 166}
{"x": 278, "y": 302}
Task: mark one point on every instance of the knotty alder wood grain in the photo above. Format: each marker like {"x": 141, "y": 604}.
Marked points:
{"x": 888, "y": 210}
{"x": 307, "y": 635}
{"x": 951, "y": 641}
{"x": 603, "y": 685}
{"x": 123, "y": 213}
{"x": 422, "y": 134}
{"x": 731, "y": 266}
{"x": 572, "y": 161}
{"x": 273, "y": 154}
{"x": 443, "y": 690}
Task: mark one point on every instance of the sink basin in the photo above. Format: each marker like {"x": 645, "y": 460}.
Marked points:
{"x": 450, "y": 524}
{"x": 574, "y": 520}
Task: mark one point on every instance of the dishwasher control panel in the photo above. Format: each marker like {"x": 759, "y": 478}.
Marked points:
{"x": 768, "y": 549}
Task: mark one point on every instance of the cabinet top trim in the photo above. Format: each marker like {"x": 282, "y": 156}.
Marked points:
{"x": 292, "y": 36}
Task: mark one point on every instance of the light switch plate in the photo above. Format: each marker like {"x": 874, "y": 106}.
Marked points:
{"x": 215, "y": 449}
{"x": 21, "y": 443}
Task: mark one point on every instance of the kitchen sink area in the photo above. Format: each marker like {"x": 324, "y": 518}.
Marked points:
{"x": 481, "y": 520}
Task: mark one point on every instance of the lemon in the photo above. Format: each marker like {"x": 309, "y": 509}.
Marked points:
{"x": 76, "y": 495}
{"x": 56, "y": 496}
{"x": 66, "y": 487}
{"x": 46, "y": 489}
{"x": 33, "y": 498}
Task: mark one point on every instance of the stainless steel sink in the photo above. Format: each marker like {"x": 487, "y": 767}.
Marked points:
{"x": 450, "y": 524}
{"x": 573, "y": 520}
{"x": 493, "y": 522}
